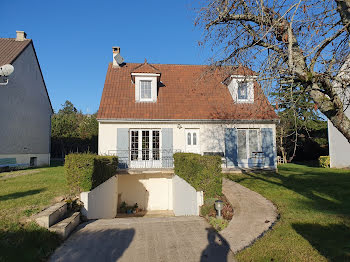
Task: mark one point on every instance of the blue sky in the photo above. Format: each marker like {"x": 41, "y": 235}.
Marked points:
{"x": 74, "y": 39}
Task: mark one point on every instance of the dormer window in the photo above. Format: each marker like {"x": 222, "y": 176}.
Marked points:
{"x": 242, "y": 91}
{"x": 145, "y": 90}
{"x": 146, "y": 78}
{"x": 242, "y": 88}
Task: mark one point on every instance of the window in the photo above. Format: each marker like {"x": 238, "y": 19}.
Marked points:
{"x": 145, "y": 90}
{"x": 248, "y": 142}
{"x": 145, "y": 145}
{"x": 194, "y": 139}
{"x": 189, "y": 139}
{"x": 33, "y": 161}
{"x": 242, "y": 91}
{"x": 155, "y": 145}
{"x": 134, "y": 145}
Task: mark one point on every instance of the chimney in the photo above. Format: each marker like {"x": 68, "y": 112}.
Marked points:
{"x": 20, "y": 36}
{"x": 116, "y": 51}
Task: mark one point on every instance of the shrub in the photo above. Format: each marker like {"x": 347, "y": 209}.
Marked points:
{"x": 85, "y": 171}
{"x": 324, "y": 161}
{"x": 217, "y": 223}
{"x": 202, "y": 172}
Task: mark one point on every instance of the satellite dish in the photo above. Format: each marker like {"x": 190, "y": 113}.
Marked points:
{"x": 6, "y": 70}
{"x": 119, "y": 59}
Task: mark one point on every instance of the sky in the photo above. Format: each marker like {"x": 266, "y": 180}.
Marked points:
{"x": 73, "y": 40}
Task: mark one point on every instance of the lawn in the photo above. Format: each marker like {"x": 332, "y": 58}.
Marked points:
{"x": 23, "y": 193}
{"x": 314, "y": 204}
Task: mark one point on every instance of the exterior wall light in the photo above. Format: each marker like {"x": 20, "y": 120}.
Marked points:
{"x": 218, "y": 206}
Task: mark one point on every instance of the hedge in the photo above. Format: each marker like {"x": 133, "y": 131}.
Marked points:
{"x": 324, "y": 161}
{"x": 85, "y": 171}
{"x": 202, "y": 172}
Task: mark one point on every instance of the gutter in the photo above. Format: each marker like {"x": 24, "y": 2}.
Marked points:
{"x": 238, "y": 121}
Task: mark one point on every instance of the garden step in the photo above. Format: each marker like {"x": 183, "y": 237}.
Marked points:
{"x": 66, "y": 226}
{"x": 51, "y": 215}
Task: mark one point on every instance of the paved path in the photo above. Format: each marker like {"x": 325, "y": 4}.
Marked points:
{"x": 253, "y": 215}
{"x": 145, "y": 239}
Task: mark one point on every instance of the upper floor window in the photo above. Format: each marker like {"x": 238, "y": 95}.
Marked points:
{"x": 145, "y": 90}
{"x": 242, "y": 91}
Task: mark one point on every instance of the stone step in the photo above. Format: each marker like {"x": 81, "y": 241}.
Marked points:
{"x": 51, "y": 215}
{"x": 67, "y": 225}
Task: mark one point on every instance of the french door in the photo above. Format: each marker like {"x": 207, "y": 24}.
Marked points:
{"x": 192, "y": 141}
{"x": 145, "y": 148}
{"x": 249, "y": 147}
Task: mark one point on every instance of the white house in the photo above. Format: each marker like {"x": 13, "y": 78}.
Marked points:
{"x": 149, "y": 111}
{"x": 339, "y": 147}
{"x": 25, "y": 107}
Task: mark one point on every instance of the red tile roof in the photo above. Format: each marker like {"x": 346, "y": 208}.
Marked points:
{"x": 145, "y": 68}
{"x": 10, "y": 49}
{"x": 185, "y": 92}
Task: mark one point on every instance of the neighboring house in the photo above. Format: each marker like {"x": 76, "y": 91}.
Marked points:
{"x": 149, "y": 111}
{"x": 25, "y": 107}
{"x": 339, "y": 147}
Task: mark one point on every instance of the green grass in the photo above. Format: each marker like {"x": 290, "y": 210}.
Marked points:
{"x": 20, "y": 197}
{"x": 314, "y": 204}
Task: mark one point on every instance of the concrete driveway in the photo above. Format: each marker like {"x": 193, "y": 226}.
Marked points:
{"x": 145, "y": 239}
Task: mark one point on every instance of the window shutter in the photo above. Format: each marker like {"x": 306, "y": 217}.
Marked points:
{"x": 123, "y": 147}
{"x": 267, "y": 146}
{"x": 231, "y": 146}
{"x": 167, "y": 147}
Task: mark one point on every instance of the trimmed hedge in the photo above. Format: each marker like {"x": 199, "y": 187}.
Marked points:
{"x": 324, "y": 161}
{"x": 202, "y": 172}
{"x": 85, "y": 171}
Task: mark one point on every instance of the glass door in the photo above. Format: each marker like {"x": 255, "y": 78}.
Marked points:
{"x": 145, "y": 148}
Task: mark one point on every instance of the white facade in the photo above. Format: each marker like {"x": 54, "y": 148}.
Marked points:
{"x": 25, "y": 112}
{"x": 101, "y": 202}
{"x": 211, "y": 135}
{"x": 339, "y": 147}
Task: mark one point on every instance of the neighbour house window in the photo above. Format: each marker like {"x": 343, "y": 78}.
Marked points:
{"x": 242, "y": 91}
{"x": 145, "y": 90}
{"x": 248, "y": 142}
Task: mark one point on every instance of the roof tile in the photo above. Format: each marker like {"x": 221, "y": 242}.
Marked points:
{"x": 185, "y": 92}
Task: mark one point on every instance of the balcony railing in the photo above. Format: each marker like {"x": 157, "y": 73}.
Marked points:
{"x": 146, "y": 158}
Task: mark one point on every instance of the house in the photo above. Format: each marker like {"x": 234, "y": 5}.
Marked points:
{"x": 339, "y": 146}
{"x": 25, "y": 107}
{"x": 149, "y": 111}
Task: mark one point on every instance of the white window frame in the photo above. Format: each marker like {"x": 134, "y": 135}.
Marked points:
{"x": 247, "y": 142}
{"x": 147, "y": 77}
{"x": 139, "y": 159}
{"x": 145, "y": 98}
{"x": 234, "y": 84}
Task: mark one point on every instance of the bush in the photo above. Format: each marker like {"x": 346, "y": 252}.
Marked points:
{"x": 217, "y": 223}
{"x": 202, "y": 172}
{"x": 85, "y": 171}
{"x": 324, "y": 161}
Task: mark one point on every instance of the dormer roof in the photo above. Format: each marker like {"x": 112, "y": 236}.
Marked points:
{"x": 145, "y": 68}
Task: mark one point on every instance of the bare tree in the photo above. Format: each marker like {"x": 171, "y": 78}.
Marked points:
{"x": 304, "y": 42}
